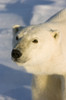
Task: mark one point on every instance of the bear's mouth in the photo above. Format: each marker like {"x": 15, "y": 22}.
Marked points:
{"x": 22, "y": 61}
{"x": 15, "y": 59}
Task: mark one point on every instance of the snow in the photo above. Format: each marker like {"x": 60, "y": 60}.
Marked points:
{"x": 15, "y": 83}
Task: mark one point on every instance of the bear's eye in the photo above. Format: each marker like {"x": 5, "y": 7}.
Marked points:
{"x": 35, "y": 41}
{"x": 17, "y": 38}
{"x": 16, "y": 30}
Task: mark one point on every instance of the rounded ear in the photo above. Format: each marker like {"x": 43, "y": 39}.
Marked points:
{"x": 17, "y": 28}
{"x": 56, "y": 35}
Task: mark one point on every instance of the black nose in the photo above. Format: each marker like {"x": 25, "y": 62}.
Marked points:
{"x": 16, "y": 53}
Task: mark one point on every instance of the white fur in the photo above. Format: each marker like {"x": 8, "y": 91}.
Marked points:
{"x": 47, "y": 57}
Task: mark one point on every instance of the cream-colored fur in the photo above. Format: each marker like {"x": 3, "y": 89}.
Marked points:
{"x": 45, "y": 58}
{"x": 46, "y": 87}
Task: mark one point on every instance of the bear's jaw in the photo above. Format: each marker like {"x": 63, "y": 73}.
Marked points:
{"x": 46, "y": 68}
{"x": 20, "y": 61}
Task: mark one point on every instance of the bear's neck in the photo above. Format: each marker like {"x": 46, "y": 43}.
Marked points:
{"x": 47, "y": 87}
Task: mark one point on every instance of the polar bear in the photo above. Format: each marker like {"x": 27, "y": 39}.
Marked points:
{"x": 41, "y": 49}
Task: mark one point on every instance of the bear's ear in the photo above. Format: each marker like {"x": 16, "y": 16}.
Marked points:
{"x": 17, "y": 28}
{"x": 56, "y": 34}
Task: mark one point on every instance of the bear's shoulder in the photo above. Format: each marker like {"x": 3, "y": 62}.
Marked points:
{"x": 58, "y": 17}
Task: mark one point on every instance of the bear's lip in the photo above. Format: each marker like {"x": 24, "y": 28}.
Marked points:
{"x": 20, "y": 61}
{"x": 15, "y": 59}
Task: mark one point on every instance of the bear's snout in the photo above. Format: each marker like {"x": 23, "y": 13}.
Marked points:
{"x": 16, "y": 53}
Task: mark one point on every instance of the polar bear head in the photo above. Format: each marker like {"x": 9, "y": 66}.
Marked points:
{"x": 35, "y": 47}
{"x": 38, "y": 48}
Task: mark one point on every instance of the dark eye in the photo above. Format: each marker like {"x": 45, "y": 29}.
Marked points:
{"x": 16, "y": 30}
{"x": 17, "y": 38}
{"x": 35, "y": 41}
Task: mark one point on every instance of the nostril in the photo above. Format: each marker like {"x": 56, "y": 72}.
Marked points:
{"x": 16, "y": 53}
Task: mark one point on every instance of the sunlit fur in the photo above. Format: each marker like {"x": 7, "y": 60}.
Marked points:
{"x": 47, "y": 57}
